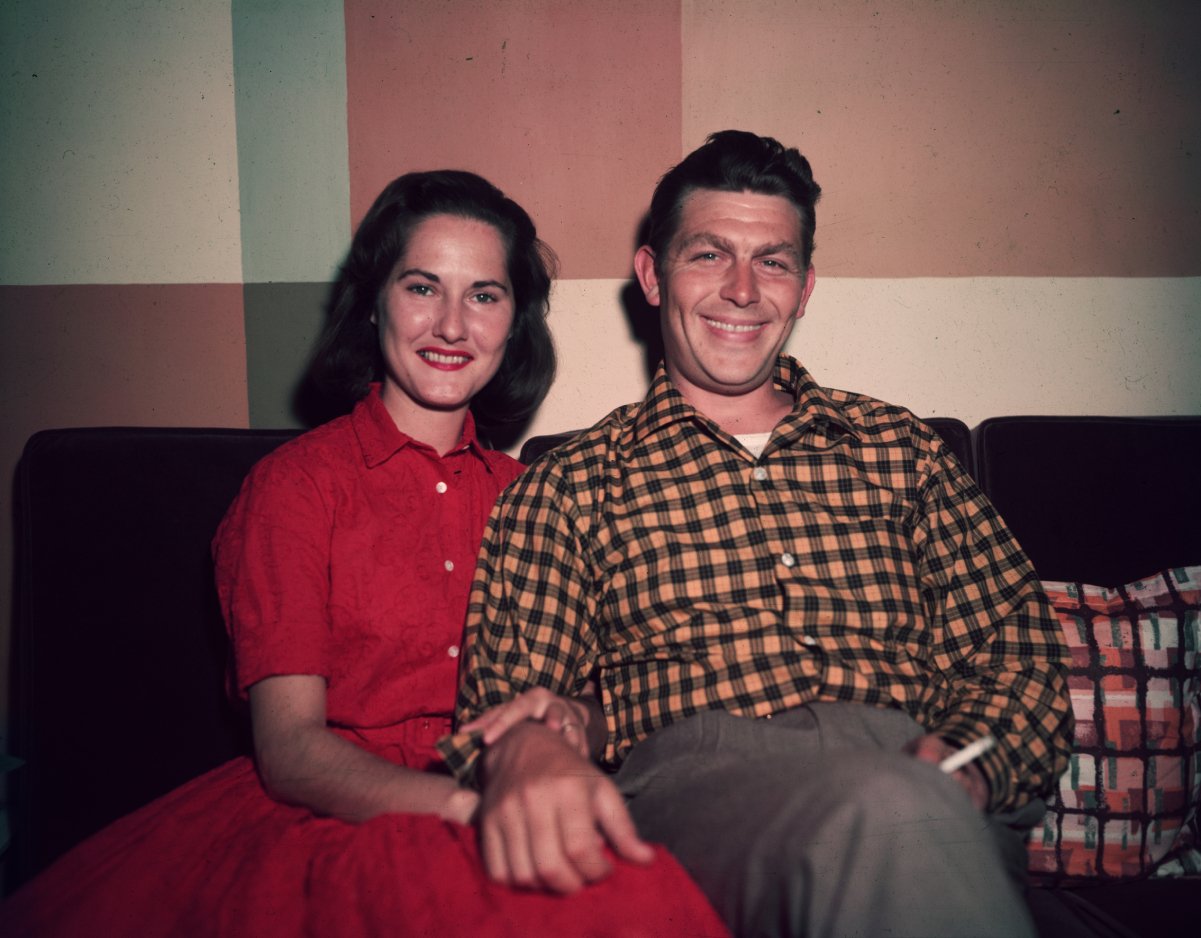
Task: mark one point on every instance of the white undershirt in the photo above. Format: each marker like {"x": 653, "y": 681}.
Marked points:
{"x": 754, "y": 442}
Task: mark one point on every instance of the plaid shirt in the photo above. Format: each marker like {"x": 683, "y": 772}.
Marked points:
{"x": 853, "y": 561}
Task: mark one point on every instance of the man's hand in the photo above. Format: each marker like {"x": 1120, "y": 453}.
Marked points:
{"x": 934, "y": 749}
{"x": 547, "y": 814}
{"x": 572, "y": 719}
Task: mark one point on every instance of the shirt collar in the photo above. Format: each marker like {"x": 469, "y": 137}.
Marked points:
{"x": 380, "y": 439}
{"x": 665, "y": 405}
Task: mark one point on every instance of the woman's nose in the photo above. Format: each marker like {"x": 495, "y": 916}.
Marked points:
{"x": 450, "y": 324}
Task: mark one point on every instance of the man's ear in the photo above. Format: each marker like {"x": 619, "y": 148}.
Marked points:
{"x": 648, "y": 277}
{"x": 810, "y": 279}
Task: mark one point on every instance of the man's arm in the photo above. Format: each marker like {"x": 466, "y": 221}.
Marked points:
{"x": 530, "y": 612}
{"x": 997, "y": 643}
{"x": 546, "y": 812}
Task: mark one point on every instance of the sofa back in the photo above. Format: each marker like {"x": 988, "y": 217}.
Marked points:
{"x": 1101, "y": 500}
{"x": 119, "y": 650}
{"x": 118, "y": 644}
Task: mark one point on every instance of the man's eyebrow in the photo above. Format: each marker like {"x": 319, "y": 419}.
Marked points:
{"x": 782, "y": 247}
{"x": 709, "y": 238}
{"x": 703, "y": 237}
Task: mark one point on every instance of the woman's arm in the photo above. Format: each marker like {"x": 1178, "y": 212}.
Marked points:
{"x": 301, "y": 762}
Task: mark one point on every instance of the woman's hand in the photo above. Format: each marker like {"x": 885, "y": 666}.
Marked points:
{"x": 570, "y": 717}
{"x": 460, "y": 806}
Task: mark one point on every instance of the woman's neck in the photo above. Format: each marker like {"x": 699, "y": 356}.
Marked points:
{"x": 440, "y": 429}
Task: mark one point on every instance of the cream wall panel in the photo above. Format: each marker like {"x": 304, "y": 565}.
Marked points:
{"x": 970, "y": 348}
{"x": 119, "y": 143}
{"x": 601, "y": 365}
{"x": 981, "y": 347}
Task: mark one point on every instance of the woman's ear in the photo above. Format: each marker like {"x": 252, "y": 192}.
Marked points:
{"x": 648, "y": 277}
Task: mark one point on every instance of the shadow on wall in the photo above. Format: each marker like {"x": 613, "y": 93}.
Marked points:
{"x": 643, "y": 318}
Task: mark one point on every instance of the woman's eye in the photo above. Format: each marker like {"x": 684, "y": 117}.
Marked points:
{"x": 485, "y": 298}
{"x": 421, "y": 289}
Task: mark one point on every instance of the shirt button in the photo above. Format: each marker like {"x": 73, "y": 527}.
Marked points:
{"x": 440, "y": 487}
{"x": 453, "y": 651}
{"x": 808, "y": 640}
{"x": 760, "y": 473}
{"x": 449, "y": 565}
{"x": 788, "y": 560}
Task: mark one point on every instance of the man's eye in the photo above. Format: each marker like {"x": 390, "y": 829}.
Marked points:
{"x": 772, "y": 262}
{"x": 706, "y": 256}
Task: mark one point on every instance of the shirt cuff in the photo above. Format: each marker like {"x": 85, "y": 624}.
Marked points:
{"x": 994, "y": 764}
{"x": 461, "y": 753}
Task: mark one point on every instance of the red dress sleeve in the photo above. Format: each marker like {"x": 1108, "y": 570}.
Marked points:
{"x": 272, "y": 561}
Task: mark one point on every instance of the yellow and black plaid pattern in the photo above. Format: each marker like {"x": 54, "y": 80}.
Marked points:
{"x": 853, "y": 561}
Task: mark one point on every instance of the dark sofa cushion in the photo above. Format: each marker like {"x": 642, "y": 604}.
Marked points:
{"x": 1101, "y": 500}
{"x": 118, "y": 645}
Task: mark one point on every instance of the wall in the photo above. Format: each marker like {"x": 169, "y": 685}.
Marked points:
{"x": 1010, "y": 221}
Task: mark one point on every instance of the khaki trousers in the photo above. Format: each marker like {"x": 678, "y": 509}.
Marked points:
{"x": 813, "y": 823}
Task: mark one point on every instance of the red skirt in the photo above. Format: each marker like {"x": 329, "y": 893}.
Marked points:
{"x": 219, "y": 857}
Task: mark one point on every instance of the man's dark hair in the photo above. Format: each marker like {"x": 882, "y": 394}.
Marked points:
{"x": 348, "y": 356}
{"x": 734, "y": 161}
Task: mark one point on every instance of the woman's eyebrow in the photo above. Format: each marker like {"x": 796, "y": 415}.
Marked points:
{"x": 418, "y": 272}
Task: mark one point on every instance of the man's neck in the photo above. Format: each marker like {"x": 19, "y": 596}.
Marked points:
{"x": 755, "y": 411}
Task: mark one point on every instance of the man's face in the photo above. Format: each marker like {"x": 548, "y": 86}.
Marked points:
{"x": 730, "y": 289}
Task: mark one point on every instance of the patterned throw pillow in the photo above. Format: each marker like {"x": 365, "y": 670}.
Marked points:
{"x": 1125, "y": 804}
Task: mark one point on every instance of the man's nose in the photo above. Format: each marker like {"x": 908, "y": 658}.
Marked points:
{"x": 740, "y": 286}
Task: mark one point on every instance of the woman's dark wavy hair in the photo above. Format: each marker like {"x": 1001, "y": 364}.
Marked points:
{"x": 348, "y": 358}
{"x": 734, "y": 161}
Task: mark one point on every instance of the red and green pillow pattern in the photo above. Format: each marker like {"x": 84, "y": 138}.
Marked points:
{"x": 1128, "y": 805}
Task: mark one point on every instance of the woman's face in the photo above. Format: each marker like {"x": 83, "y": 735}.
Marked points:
{"x": 444, "y": 316}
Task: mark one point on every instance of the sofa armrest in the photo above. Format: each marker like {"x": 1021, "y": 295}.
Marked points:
{"x": 118, "y": 646}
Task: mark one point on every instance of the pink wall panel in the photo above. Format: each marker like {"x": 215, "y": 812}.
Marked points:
{"x": 147, "y": 354}
{"x": 971, "y": 139}
{"x": 573, "y": 110}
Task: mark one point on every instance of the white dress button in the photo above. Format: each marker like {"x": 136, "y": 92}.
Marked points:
{"x": 760, "y": 473}
{"x": 440, "y": 487}
{"x": 449, "y": 565}
{"x": 808, "y": 640}
{"x": 453, "y": 651}
{"x": 788, "y": 560}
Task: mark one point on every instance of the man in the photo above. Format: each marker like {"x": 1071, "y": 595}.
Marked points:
{"x": 795, "y": 605}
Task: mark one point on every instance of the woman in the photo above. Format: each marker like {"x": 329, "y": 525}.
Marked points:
{"x": 343, "y": 569}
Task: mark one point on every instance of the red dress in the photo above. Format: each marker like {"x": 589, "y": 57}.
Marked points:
{"x": 348, "y": 553}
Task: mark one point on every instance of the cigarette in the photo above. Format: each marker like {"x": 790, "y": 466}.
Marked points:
{"x": 957, "y": 760}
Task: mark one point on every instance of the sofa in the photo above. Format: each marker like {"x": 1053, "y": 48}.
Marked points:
{"x": 119, "y": 653}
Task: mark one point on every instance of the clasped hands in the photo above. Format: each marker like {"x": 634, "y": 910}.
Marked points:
{"x": 547, "y": 812}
